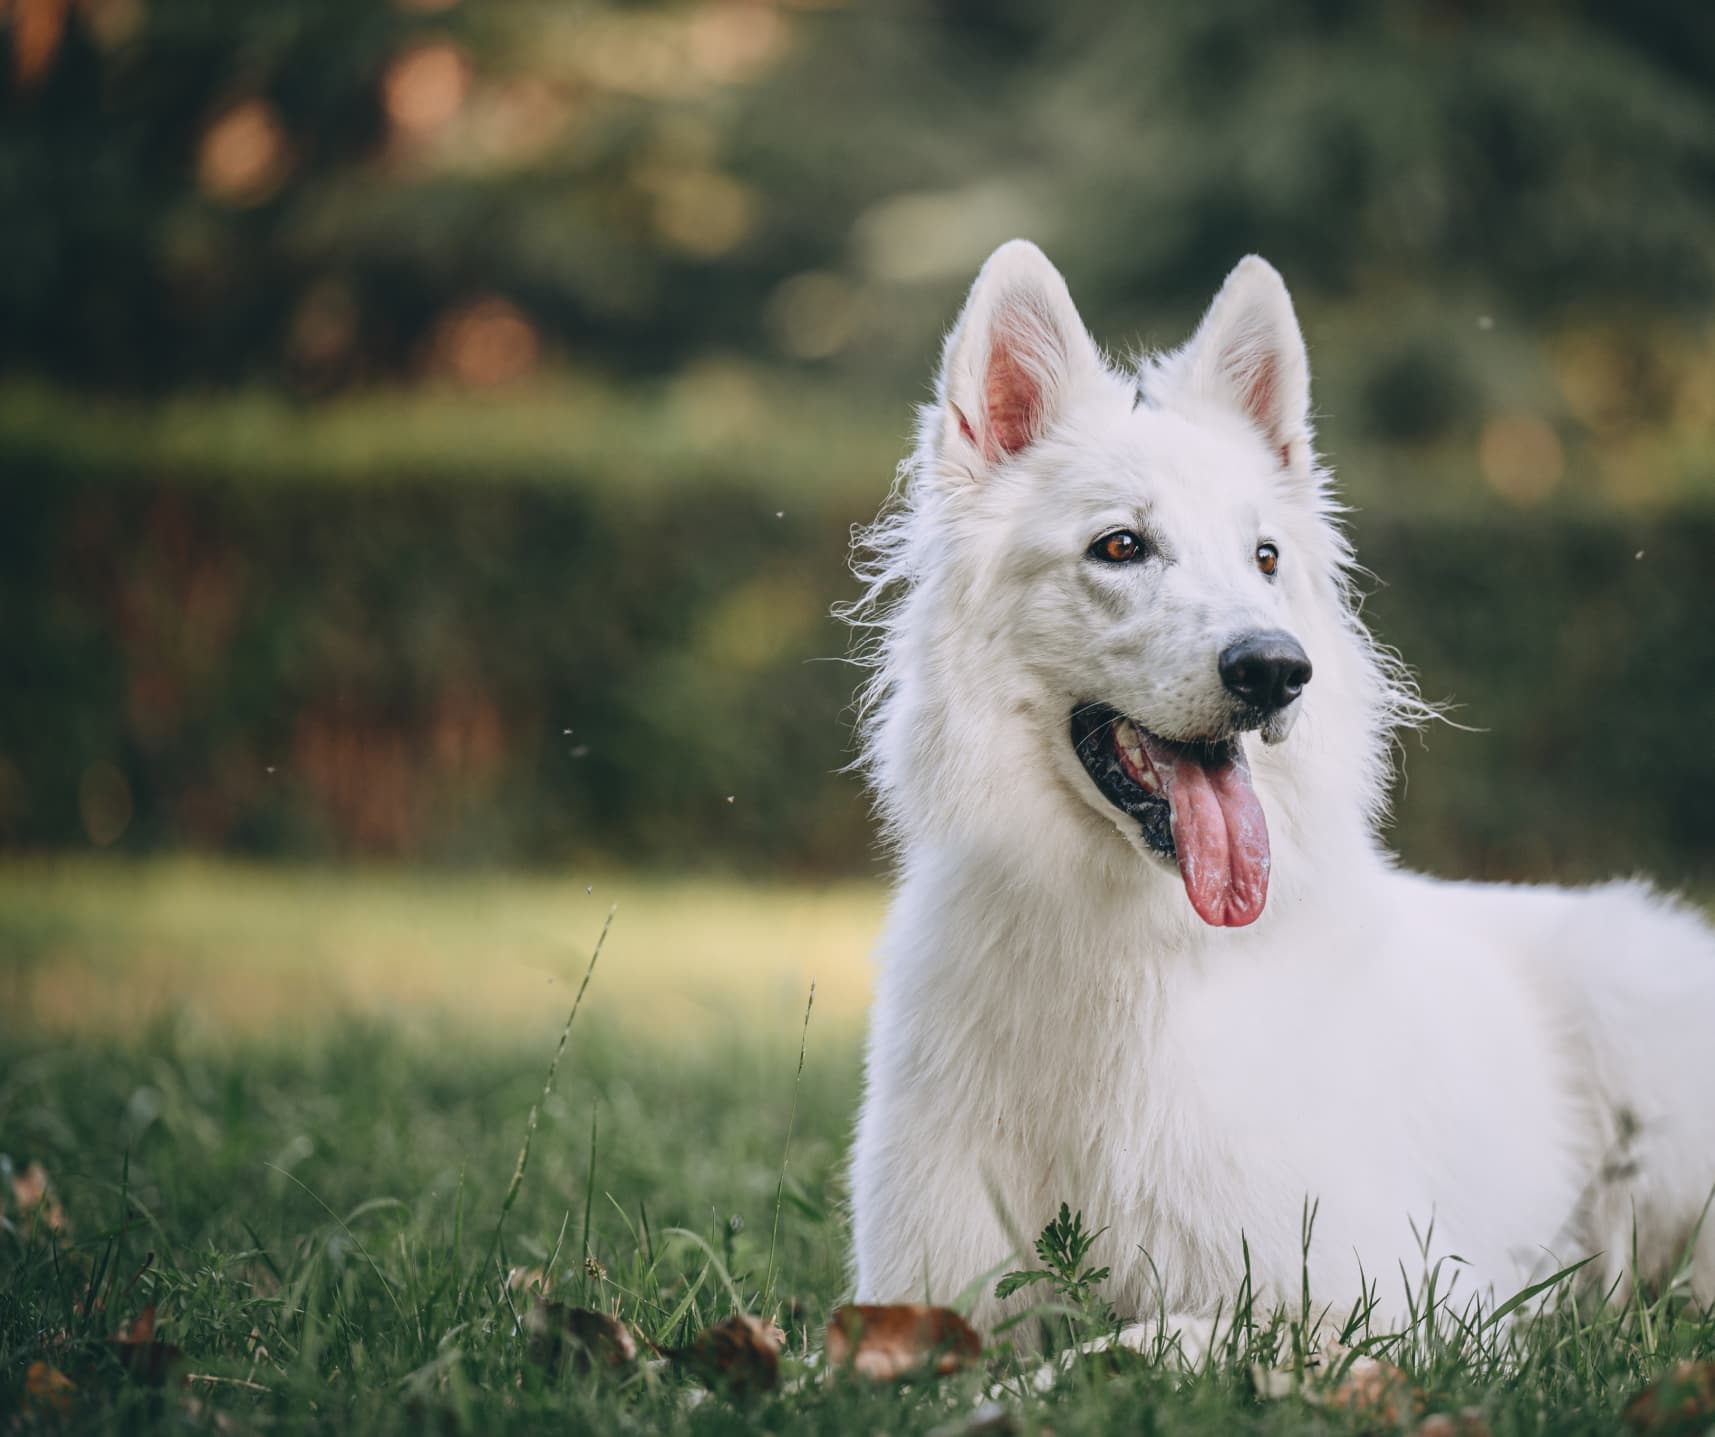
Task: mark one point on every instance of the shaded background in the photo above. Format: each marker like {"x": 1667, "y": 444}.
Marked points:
{"x": 432, "y": 431}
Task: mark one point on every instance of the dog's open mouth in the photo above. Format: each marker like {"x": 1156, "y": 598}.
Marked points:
{"x": 1193, "y": 803}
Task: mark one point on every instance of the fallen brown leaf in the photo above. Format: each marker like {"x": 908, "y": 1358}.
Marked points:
{"x": 1374, "y": 1390}
{"x": 146, "y": 1359}
{"x": 140, "y": 1328}
{"x": 33, "y": 1196}
{"x": 47, "y": 1387}
{"x": 888, "y": 1343}
{"x": 559, "y": 1334}
{"x": 1682, "y": 1401}
{"x": 740, "y": 1356}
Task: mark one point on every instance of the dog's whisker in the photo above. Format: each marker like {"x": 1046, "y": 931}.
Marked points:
{"x": 1091, "y": 707}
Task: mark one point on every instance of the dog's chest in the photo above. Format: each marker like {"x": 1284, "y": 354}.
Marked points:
{"x": 1189, "y": 1111}
{"x": 1161, "y": 1107}
{"x": 1079, "y": 1092}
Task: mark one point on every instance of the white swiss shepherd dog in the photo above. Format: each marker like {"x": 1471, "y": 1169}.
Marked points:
{"x": 1147, "y": 955}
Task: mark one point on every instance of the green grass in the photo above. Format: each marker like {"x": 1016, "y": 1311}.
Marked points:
{"x": 225, "y": 951}
{"x": 315, "y": 1209}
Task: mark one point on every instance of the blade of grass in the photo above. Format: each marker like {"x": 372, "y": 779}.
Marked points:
{"x": 589, "y": 1203}
{"x": 698, "y": 1241}
{"x": 1518, "y": 1299}
{"x": 786, "y": 1155}
{"x": 547, "y": 1087}
{"x": 356, "y": 1242}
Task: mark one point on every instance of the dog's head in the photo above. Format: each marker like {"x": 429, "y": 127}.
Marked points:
{"x": 1129, "y": 580}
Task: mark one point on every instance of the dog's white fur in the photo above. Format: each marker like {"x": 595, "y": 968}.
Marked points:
{"x": 1530, "y": 1070}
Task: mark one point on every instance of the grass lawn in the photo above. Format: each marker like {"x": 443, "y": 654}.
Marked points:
{"x": 224, "y": 952}
{"x": 286, "y": 1110}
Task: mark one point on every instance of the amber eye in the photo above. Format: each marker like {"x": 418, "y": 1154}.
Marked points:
{"x": 1119, "y": 547}
{"x": 1267, "y": 558}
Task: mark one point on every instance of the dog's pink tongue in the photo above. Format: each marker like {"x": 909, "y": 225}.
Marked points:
{"x": 1219, "y": 832}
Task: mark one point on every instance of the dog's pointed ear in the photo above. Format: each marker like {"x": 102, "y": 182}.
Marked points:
{"x": 1248, "y": 354}
{"x": 1011, "y": 360}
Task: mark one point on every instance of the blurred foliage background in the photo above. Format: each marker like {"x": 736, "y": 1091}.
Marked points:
{"x": 432, "y": 430}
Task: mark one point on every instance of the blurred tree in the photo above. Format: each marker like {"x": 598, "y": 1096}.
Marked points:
{"x": 333, "y": 191}
{"x": 1499, "y": 221}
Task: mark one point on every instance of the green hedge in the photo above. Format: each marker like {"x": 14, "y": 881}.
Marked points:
{"x": 518, "y": 671}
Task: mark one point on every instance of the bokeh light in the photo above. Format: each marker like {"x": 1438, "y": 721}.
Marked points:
{"x": 426, "y": 86}
{"x": 486, "y": 342}
{"x": 814, "y": 314}
{"x": 1522, "y": 458}
{"x": 245, "y": 155}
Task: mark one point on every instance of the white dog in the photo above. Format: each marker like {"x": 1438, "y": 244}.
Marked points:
{"x": 1147, "y": 955}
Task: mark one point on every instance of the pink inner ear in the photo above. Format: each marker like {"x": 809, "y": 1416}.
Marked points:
{"x": 1258, "y": 388}
{"x": 1013, "y": 397}
{"x": 1259, "y": 394}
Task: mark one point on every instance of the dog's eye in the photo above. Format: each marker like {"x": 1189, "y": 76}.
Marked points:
{"x": 1119, "y": 547}
{"x": 1267, "y": 558}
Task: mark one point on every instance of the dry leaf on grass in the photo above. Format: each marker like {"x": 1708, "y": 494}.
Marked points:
{"x": 1370, "y": 1389}
{"x": 740, "y": 1356}
{"x": 559, "y": 1334}
{"x": 33, "y": 1198}
{"x": 888, "y": 1343}
{"x": 46, "y": 1388}
{"x": 138, "y": 1351}
{"x": 1374, "y": 1390}
{"x": 1682, "y": 1401}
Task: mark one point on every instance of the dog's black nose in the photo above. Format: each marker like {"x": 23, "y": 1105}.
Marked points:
{"x": 1267, "y": 671}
